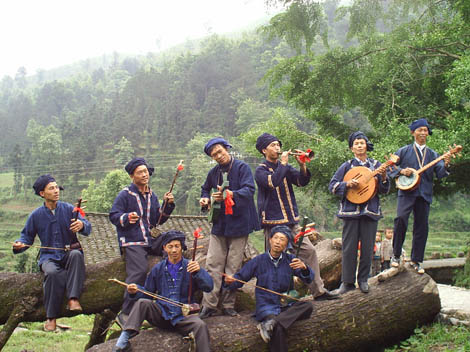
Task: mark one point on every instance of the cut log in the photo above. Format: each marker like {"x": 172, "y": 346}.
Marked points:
{"x": 387, "y": 314}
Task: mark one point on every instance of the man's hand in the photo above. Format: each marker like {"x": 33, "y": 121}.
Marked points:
{"x": 407, "y": 172}
{"x": 169, "y": 198}
{"x": 133, "y": 217}
{"x": 229, "y": 280}
{"x": 352, "y": 183}
{"x": 296, "y": 263}
{"x": 285, "y": 157}
{"x": 219, "y": 195}
{"x": 204, "y": 202}
{"x": 18, "y": 245}
{"x": 193, "y": 267}
{"x": 76, "y": 226}
{"x": 132, "y": 289}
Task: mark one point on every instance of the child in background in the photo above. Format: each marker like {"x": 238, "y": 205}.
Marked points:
{"x": 375, "y": 269}
{"x": 386, "y": 250}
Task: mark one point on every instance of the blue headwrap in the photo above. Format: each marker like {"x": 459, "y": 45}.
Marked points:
{"x": 136, "y": 162}
{"x": 286, "y": 231}
{"x": 360, "y": 135}
{"x": 172, "y": 235}
{"x": 264, "y": 140}
{"x": 213, "y": 142}
{"x": 420, "y": 123}
{"x": 42, "y": 182}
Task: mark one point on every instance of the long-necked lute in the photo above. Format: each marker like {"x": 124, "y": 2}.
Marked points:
{"x": 367, "y": 182}
{"x": 409, "y": 183}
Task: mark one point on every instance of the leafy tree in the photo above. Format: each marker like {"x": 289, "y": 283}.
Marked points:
{"x": 123, "y": 152}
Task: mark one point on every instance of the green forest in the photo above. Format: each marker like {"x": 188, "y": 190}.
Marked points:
{"x": 312, "y": 74}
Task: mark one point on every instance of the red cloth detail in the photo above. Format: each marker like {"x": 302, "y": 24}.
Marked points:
{"x": 80, "y": 210}
{"x": 197, "y": 233}
{"x": 303, "y": 233}
{"x": 229, "y": 203}
{"x": 180, "y": 167}
{"x": 304, "y": 157}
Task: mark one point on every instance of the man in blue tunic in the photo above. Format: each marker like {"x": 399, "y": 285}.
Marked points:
{"x": 63, "y": 266}
{"x": 169, "y": 279}
{"x": 274, "y": 270}
{"x": 416, "y": 155}
{"x": 277, "y": 204}
{"x": 236, "y": 220}
{"x": 359, "y": 220}
{"x": 135, "y": 212}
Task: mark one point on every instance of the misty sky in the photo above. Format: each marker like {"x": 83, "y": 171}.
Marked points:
{"x": 49, "y": 33}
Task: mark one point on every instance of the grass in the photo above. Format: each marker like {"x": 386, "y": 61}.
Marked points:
{"x": 436, "y": 338}
{"x": 33, "y": 338}
{"x": 6, "y": 179}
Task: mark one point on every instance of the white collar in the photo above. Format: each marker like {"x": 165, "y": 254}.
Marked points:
{"x": 420, "y": 147}
{"x": 362, "y": 163}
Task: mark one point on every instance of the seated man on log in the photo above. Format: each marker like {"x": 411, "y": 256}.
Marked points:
{"x": 274, "y": 271}
{"x": 61, "y": 256}
{"x": 170, "y": 279}
{"x": 359, "y": 220}
{"x": 277, "y": 205}
{"x": 236, "y": 219}
{"x": 135, "y": 212}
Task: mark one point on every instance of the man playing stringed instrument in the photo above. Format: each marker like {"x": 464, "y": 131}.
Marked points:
{"x": 135, "y": 211}
{"x": 61, "y": 256}
{"x": 273, "y": 271}
{"x": 415, "y": 156}
{"x": 359, "y": 220}
{"x": 277, "y": 204}
{"x": 170, "y": 279}
{"x": 230, "y": 230}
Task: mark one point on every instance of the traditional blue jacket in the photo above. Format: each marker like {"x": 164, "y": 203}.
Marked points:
{"x": 276, "y": 199}
{"x": 408, "y": 158}
{"x": 52, "y": 229}
{"x": 146, "y": 206}
{"x": 159, "y": 281}
{"x": 244, "y": 220}
{"x": 271, "y": 277}
{"x": 347, "y": 209}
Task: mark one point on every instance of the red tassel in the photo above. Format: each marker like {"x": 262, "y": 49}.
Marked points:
{"x": 229, "y": 203}
{"x": 197, "y": 233}
{"x": 303, "y": 233}
{"x": 80, "y": 210}
{"x": 304, "y": 157}
{"x": 180, "y": 167}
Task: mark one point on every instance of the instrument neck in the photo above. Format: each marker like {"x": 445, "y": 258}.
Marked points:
{"x": 432, "y": 163}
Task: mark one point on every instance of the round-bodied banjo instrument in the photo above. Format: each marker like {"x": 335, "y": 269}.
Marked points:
{"x": 367, "y": 187}
{"x": 409, "y": 183}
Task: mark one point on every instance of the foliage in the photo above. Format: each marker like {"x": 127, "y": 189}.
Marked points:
{"x": 100, "y": 196}
{"x": 436, "y": 337}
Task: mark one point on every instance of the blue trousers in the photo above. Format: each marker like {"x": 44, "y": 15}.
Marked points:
{"x": 420, "y": 210}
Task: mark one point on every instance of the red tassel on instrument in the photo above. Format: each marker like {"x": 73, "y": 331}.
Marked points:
{"x": 303, "y": 233}
{"x": 80, "y": 210}
{"x": 197, "y": 233}
{"x": 229, "y": 203}
{"x": 304, "y": 157}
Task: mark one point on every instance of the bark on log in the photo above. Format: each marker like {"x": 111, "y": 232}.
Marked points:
{"x": 387, "y": 314}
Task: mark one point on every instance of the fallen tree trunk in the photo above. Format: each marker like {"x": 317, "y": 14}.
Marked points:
{"x": 99, "y": 294}
{"x": 387, "y": 314}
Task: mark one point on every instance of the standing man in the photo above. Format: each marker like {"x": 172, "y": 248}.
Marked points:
{"x": 416, "y": 155}
{"x": 170, "y": 279}
{"x": 359, "y": 220}
{"x": 63, "y": 266}
{"x": 273, "y": 271}
{"x": 277, "y": 204}
{"x": 135, "y": 212}
{"x": 236, "y": 220}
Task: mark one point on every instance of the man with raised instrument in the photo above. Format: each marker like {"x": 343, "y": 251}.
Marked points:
{"x": 170, "y": 280}
{"x": 61, "y": 256}
{"x": 234, "y": 187}
{"x": 273, "y": 271}
{"x": 418, "y": 198}
{"x": 277, "y": 205}
{"x": 135, "y": 212}
{"x": 359, "y": 220}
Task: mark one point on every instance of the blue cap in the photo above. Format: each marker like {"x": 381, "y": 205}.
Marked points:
{"x": 172, "y": 235}
{"x": 41, "y": 183}
{"x": 136, "y": 162}
{"x": 264, "y": 140}
{"x": 286, "y": 231}
{"x": 420, "y": 123}
{"x": 213, "y": 142}
{"x": 360, "y": 135}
